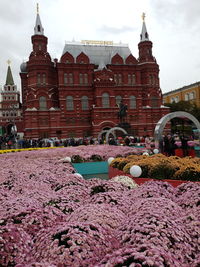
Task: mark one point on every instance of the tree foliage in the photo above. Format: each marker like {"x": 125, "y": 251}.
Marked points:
{"x": 186, "y": 106}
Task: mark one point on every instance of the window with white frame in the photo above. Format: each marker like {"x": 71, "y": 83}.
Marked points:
{"x": 186, "y": 97}
{"x": 192, "y": 95}
{"x": 176, "y": 99}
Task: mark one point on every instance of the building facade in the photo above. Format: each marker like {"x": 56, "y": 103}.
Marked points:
{"x": 11, "y": 120}
{"x": 79, "y": 94}
{"x": 186, "y": 93}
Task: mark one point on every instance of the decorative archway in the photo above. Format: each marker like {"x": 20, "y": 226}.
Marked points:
{"x": 163, "y": 121}
{"x": 113, "y": 130}
{"x": 104, "y": 132}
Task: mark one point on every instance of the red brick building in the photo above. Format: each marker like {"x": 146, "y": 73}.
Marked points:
{"x": 11, "y": 121}
{"x": 79, "y": 94}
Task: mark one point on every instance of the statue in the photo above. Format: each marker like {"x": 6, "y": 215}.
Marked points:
{"x": 122, "y": 112}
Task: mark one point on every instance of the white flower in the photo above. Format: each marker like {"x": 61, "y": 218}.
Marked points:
{"x": 126, "y": 180}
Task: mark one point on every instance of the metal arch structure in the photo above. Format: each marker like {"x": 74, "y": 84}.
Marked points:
{"x": 163, "y": 121}
{"x": 104, "y": 132}
{"x": 113, "y": 130}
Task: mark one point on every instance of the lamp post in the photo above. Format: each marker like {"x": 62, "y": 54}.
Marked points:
{"x": 14, "y": 128}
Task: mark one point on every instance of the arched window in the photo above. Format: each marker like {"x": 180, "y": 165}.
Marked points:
{"x": 129, "y": 79}
{"x": 119, "y": 78}
{"x": 118, "y": 99}
{"x": 81, "y": 78}
{"x": 192, "y": 95}
{"x": 38, "y": 79}
{"x": 44, "y": 78}
{"x": 115, "y": 78}
{"x": 70, "y": 103}
{"x": 186, "y": 97}
{"x": 68, "y": 78}
{"x": 172, "y": 100}
{"x": 65, "y": 78}
{"x": 150, "y": 79}
{"x": 176, "y": 99}
{"x": 105, "y": 100}
{"x": 133, "y": 79}
{"x": 154, "y": 101}
{"x": 84, "y": 103}
{"x": 71, "y": 80}
{"x": 42, "y": 103}
{"x": 132, "y": 102}
{"x": 85, "y": 78}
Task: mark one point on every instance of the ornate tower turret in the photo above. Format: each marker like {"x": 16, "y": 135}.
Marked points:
{"x": 39, "y": 41}
{"x": 151, "y": 96}
{"x": 10, "y": 94}
{"x": 39, "y": 84}
{"x": 145, "y": 45}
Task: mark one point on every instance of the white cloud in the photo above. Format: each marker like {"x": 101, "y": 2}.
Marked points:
{"x": 172, "y": 26}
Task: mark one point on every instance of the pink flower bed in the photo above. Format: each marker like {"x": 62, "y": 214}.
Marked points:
{"x": 51, "y": 217}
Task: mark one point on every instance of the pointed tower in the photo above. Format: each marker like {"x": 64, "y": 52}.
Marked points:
{"x": 9, "y": 95}
{"x": 39, "y": 41}
{"x": 145, "y": 45}
{"x": 151, "y": 96}
{"x": 39, "y": 86}
{"x": 9, "y": 77}
{"x": 39, "y": 30}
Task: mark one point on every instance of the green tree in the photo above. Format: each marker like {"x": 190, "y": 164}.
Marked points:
{"x": 186, "y": 106}
{"x": 177, "y": 124}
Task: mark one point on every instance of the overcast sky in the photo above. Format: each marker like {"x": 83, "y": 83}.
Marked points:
{"x": 173, "y": 27}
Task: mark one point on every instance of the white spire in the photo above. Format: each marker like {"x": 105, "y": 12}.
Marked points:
{"x": 144, "y": 34}
{"x": 38, "y": 29}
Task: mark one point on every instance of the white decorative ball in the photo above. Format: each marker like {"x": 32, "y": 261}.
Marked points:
{"x": 145, "y": 154}
{"x": 110, "y": 160}
{"x": 155, "y": 151}
{"x": 78, "y": 174}
{"x": 67, "y": 159}
{"x": 135, "y": 171}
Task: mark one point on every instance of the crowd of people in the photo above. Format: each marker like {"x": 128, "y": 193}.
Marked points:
{"x": 170, "y": 143}
{"x": 167, "y": 145}
{"x": 10, "y": 142}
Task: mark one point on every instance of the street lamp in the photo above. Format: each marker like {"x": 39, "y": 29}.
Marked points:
{"x": 14, "y": 127}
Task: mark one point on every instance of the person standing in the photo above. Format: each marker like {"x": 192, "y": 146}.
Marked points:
{"x": 184, "y": 144}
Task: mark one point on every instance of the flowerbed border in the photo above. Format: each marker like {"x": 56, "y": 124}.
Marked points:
{"x": 112, "y": 172}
